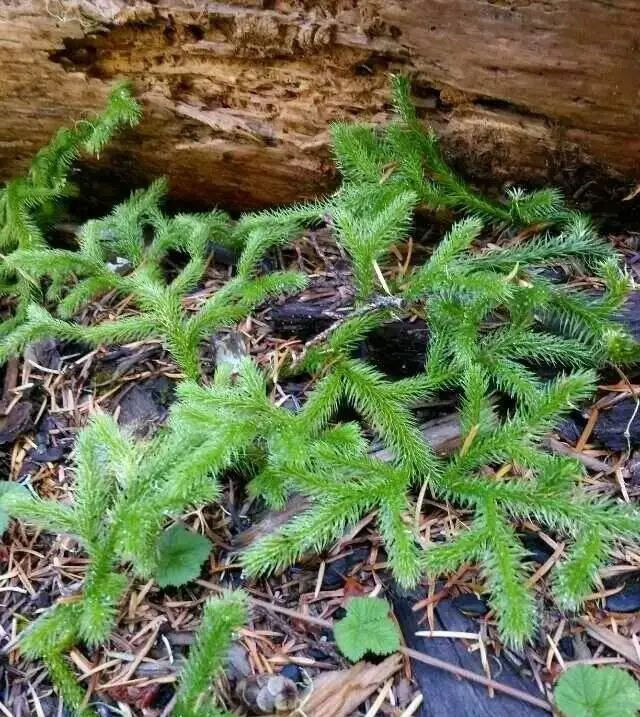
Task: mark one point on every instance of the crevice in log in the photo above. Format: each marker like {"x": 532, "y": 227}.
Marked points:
{"x": 499, "y": 105}
{"x": 238, "y": 98}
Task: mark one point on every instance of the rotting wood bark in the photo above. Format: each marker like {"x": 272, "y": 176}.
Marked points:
{"x": 452, "y": 668}
{"x": 398, "y": 348}
{"x": 462, "y": 698}
{"x": 238, "y": 95}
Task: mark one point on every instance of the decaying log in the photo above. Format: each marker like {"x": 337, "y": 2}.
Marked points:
{"x": 444, "y": 693}
{"x": 397, "y": 347}
{"x": 238, "y": 95}
{"x": 302, "y": 320}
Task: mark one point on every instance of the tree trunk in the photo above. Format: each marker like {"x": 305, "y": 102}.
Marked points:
{"x": 238, "y": 96}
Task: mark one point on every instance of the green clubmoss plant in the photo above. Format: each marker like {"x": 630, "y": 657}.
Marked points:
{"x": 331, "y": 465}
{"x": 495, "y": 318}
{"x": 406, "y": 155}
{"x": 124, "y": 494}
{"x": 117, "y": 255}
{"x": 28, "y": 204}
{"x": 221, "y": 618}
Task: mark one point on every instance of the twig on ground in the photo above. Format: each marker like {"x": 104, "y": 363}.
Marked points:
{"x": 413, "y": 654}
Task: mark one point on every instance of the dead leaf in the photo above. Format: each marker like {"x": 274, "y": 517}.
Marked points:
{"x": 353, "y": 588}
{"x": 622, "y": 645}
{"x": 340, "y": 693}
{"x": 142, "y": 697}
{"x": 632, "y": 194}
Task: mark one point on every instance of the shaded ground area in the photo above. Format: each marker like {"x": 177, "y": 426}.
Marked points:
{"x": 48, "y": 396}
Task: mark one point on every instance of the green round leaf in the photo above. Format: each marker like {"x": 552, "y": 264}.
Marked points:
{"x": 587, "y": 691}
{"x": 180, "y": 556}
{"x": 366, "y": 627}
